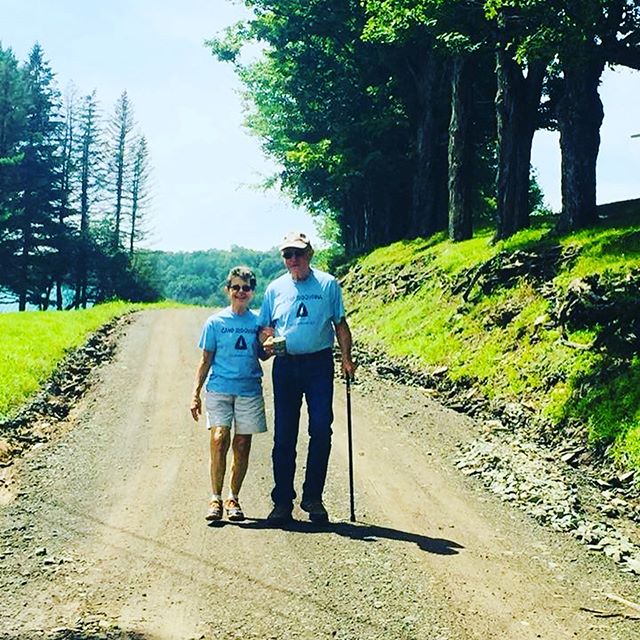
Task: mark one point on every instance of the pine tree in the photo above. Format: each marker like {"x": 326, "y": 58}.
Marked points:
{"x": 89, "y": 179}
{"x": 12, "y": 123}
{"x": 35, "y": 221}
{"x": 119, "y": 167}
{"x": 139, "y": 190}
{"x": 64, "y": 242}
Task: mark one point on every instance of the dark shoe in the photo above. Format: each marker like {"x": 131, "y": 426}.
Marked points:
{"x": 280, "y": 514}
{"x": 234, "y": 510}
{"x": 215, "y": 511}
{"x": 315, "y": 509}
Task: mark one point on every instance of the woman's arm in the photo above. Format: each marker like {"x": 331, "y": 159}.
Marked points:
{"x": 201, "y": 375}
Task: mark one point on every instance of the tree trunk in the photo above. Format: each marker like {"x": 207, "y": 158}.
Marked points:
{"x": 118, "y": 210}
{"x": 25, "y": 257}
{"x": 517, "y": 102}
{"x": 580, "y": 116}
{"x": 380, "y": 196}
{"x": 353, "y": 220}
{"x": 398, "y": 210}
{"x": 429, "y": 202}
{"x": 460, "y": 153}
{"x": 83, "y": 248}
{"x": 59, "y": 298}
{"x": 88, "y": 170}
{"x": 122, "y": 125}
{"x": 46, "y": 296}
{"x": 132, "y": 235}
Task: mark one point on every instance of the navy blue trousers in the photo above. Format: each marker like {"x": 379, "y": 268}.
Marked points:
{"x": 295, "y": 377}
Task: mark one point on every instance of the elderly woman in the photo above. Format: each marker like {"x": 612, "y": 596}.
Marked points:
{"x": 229, "y": 363}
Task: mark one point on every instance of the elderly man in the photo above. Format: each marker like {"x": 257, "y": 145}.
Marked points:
{"x": 305, "y": 307}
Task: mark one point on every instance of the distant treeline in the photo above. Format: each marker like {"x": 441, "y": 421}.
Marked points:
{"x": 73, "y": 193}
{"x": 398, "y": 119}
{"x": 198, "y": 277}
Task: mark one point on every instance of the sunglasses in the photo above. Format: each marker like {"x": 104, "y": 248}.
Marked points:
{"x": 245, "y": 287}
{"x": 293, "y": 253}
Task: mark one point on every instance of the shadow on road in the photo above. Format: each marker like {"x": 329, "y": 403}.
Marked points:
{"x": 356, "y": 531}
{"x": 175, "y": 559}
{"x": 77, "y": 634}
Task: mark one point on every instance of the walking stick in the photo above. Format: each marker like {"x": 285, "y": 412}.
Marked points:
{"x": 350, "y": 441}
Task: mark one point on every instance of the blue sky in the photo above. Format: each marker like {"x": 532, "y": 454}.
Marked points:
{"x": 206, "y": 166}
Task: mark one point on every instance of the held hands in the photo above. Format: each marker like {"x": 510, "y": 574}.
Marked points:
{"x": 266, "y": 339}
{"x": 196, "y": 407}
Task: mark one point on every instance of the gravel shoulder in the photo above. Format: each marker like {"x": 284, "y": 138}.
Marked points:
{"x": 103, "y": 533}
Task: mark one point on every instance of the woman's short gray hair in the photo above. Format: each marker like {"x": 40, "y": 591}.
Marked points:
{"x": 244, "y": 273}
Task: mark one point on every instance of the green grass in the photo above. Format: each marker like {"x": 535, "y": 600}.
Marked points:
{"x": 33, "y": 343}
{"x": 505, "y": 340}
{"x": 611, "y": 409}
{"x": 614, "y": 248}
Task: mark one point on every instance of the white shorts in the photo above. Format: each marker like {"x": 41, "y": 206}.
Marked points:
{"x": 246, "y": 413}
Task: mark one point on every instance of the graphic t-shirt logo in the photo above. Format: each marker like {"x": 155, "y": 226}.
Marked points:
{"x": 302, "y": 311}
{"x": 241, "y": 344}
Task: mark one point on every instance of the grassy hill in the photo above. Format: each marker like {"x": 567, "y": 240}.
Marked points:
{"x": 551, "y": 322}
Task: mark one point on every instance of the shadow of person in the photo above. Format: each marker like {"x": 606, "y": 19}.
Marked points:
{"x": 360, "y": 531}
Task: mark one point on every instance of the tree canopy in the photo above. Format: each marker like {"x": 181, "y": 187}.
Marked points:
{"x": 402, "y": 118}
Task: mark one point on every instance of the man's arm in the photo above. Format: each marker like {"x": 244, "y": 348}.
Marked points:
{"x": 343, "y": 333}
{"x": 201, "y": 374}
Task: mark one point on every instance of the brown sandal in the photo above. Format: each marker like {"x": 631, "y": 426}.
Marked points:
{"x": 234, "y": 510}
{"x": 215, "y": 510}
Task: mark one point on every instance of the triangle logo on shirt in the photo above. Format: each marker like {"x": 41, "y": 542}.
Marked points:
{"x": 241, "y": 344}
{"x": 302, "y": 311}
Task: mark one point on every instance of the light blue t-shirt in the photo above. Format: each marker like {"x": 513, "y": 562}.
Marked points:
{"x": 233, "y": 338}
{"x": 303, "y": 311}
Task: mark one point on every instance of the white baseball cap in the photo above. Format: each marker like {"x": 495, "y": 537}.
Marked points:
{"x": 295, "y": 240}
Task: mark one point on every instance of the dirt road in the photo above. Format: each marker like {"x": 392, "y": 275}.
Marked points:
{"x": 105, "y": 537}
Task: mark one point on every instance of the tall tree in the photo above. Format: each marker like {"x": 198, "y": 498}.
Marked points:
{"x": 12, "y": 124}
{"x": 581, "y": 38}
{"x": 140, "y": 194}
{"x": 424, "y": 77}
{"x": 455, "y": 32}
{"x": 90, "y": 162}
{"x": 62, "y": 257}
{"x": 460, "y": 151}
{"x": 325, "y": 106}
{"x": 432, "y": 73}
{"x": 520, "y": 76}
{"x": 38, "y": 175}
{"x": 587, "y": 36}
{"x": 119, "y": 131}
